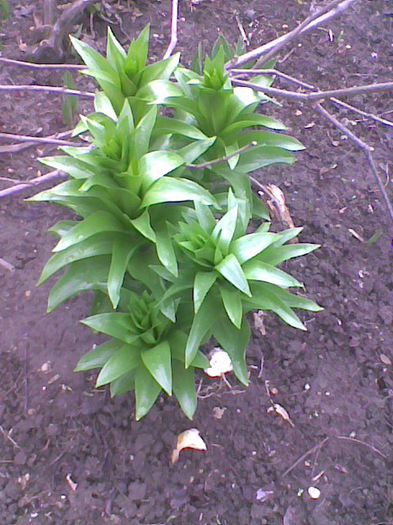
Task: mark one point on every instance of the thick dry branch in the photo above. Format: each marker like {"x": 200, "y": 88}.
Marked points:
{"x": 52, "y": 49}
{"x": 24, "y": 186}
{"x": 48, "y": 89}
{"x": 330, "y": 11}
{"x": 173, "y": 41}
{"x": 365, "y": 148}
{"x": 16, "y": 148}
{"x": 316, "y": 96}
{"x": 38, "y": 140}
{"x": 31, "y": 65}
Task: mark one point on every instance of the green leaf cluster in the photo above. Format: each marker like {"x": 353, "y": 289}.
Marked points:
{"x": 169, "y": 236}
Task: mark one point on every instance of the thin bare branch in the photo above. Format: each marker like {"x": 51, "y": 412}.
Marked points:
{"x": 316, "y": 96}
{"x": 214, "y": 162}
{"x": 173, "y": 41}
{"x": 20, "y": 188}
{"x": 297, "y": 82}
{"x": 31, "y": 65}
{"x": 38, "y": 140}
{"x": 365, "y": 148}
{"x": 48, "y": 89}
{"x": 330, "y": 11}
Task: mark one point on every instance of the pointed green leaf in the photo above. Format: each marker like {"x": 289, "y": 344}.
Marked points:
{"x": 143, "y": 132}
{"x": 264, "y": 299}
{"x": 205, "y": 216}
{"x": 169, "y": 189}
{"x": 184, "y": 388}
{"x": 249, "y": 246}
{"x": 202, "y": 284}
{"x": 293, "y": 301}
{"x": 232, "y": 271}
{"x": 234, "y": 342}
{"x": 194, "y": 150}
{"x": 259, "y": 271}
{"x": 116, "y": 325}
{"x": 93, "y": 246}
{"x": 115, "y": 53}
{"x": 98, "y": 66}
{"x": 122, "y": 361}
{"x": 158, "y": 361}
{"x": 121, "y": 254}
{"x": 138, "y": 52}
{"x": 200, "y": 328}
{"x": 98, "y": 222}
{"x": 156, "y": 164}
{"x": 161, "y": 70}
{"x": 177, "y": 127}
{"x": 165, "y": 249}
{"x": 97, "y": 357}
{"x": 84, "y": 275}
{"x": 146, "y": 392}
{"x": 233, "y": 305}
{"x": 123, "y": 384}
{"x": 225, "y": 229}
{"x": 277, "y": 255}
{"x": 142, "y": 224}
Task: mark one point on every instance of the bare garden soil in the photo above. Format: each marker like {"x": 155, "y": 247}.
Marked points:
{"x": 70, "y": 455}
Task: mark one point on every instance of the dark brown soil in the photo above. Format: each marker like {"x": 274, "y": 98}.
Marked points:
{"x": 335, "y": 381}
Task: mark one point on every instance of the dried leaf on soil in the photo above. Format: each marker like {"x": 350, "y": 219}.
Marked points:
{"x": 189, "y": 439}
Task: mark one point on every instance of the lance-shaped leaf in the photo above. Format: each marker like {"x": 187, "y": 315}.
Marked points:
{"x": 165, "y": 250}
{"x": 160, "y": 70}
{"x": 267, "y": 138}
{"x": 233, "y": 305}
{"x": 98, "y": 66}
{"x": 97, "y": 357}
{"x": 165, "y": 125}
{"x": 202, "y": 284}
{"x": 248, "y": 246}
{"x": 184, "y": 388}
{"x": 200, "y": 328}
{"x": 194, "y": 150}
{"x": 123, "y": 384}
{"x": 158, "y": 362}
{"x": 122, "y": 361}
{"x": 262, "y": 156}
{"x": 259, "y": 271}
{"x": 233, "y": 273}
{"x": 156, "y": 164}
{"x": 142, "y": 224}
{"x": 143, "y": 132}
{"x": 291, "y": 300}
{"x": 116, "y": 325}
{"x": 263, "y": 298}
{"x": 138, "y": 52}
{"x": 146, "y": 391}
{"x": 279, "y": 254}
{"x": 121, "y": 254}
{"x": 225, "y": 229}
{"x": 234, "y": 342}
{"x": 168, "y": 189}
{"x": 115, "y": 53}
{"x": 74, "y": 167}
{"x": 82, "y": 276}
{"x": 92, "y": 247}
{"x": 98, "y": 222}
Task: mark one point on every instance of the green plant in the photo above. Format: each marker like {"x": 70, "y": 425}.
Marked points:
{"x": 171, "y": 239}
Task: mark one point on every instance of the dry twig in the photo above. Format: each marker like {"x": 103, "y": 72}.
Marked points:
{"x": 365, "y": 148}
{"x": 316, "y": 96}
{"x": 38, "y": 140}
{"x": 330, "y": 11}
{"x": 43, "y": 179}
{"x": 173, "y": 41}
{"x": 32, "y": 65}
{"x": 48, "y": 89}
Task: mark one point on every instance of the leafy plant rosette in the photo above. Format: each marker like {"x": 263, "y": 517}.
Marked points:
{"x": 165, "y": 236}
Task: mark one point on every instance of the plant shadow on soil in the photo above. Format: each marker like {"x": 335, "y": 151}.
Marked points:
{"x": 57, "y": 430}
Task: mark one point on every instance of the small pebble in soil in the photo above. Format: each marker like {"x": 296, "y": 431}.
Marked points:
{"x": 314, "y": 492}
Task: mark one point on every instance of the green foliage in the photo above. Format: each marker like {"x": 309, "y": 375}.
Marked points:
{"x": 4, "y": 9}
{"x": 70, "y": 104}
{"x": 166, "y": 236}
